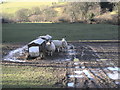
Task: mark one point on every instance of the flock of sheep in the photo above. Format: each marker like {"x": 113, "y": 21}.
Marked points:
{"x": 54, "y": 45}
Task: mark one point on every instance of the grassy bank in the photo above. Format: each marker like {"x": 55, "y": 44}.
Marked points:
{"x": 28, "y": 77}
{"x": 25, "y": 32}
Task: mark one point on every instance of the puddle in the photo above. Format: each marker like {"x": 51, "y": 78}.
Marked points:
{"x": 95, "y": 52}
{"x": 113, "y": 68}
{"x": 19, "y": 54}
{"x": 67, "y": 59}
{"x": 70, "y": 84}
{"x": 113, "y": 76}
{"x": 87, "y": 73}
{"x": 78, "y": 72}
{"x": 94, "y": 71}
{"x": 117, "y": 82}
{"x": 82, "y": 54}
{"x": 76, "y": 63}
{"x": 14, "y": 60}
{"x": 103, "y": 59}
{"x": 71, "y": 52}
{"x": 77, "y": 67}
{"x": 83, "y": 67}
{"x": 84, "y": 71}
{"x": 75, "y": 76}
{"x": 14, "y": 54}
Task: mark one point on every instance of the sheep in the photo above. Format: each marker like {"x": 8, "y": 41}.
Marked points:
{"x": 50, "y": 47}
{"x": 60, "y": 44}
{"x": 64, "y": 43}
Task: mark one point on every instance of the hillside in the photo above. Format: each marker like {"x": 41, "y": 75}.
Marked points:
{"x": 12, "y": 7}
{"x": 57, "y": 12}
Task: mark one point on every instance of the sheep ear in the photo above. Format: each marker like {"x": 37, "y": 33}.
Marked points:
{"x": 63, "y": 39}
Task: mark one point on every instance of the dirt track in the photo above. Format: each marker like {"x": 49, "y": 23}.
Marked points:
{"x": 97, "y": 62}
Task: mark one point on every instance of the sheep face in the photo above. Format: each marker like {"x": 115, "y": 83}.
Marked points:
{"x": 50, "y": 47}
{"x": 48, "y": 43}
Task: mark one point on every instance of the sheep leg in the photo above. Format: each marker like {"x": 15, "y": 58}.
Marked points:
{"x": 62, "y": 49}
{"x": 50, "y": 53}
{"x": 58, "y": 49}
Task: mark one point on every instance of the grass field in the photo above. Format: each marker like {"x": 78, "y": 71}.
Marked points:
{"x": 12, "y": 7}
{"x": 28, "y": 77}
{"x": 25, "y": 32}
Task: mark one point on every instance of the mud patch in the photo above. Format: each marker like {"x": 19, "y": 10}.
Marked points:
{"x": 95, "y": 67}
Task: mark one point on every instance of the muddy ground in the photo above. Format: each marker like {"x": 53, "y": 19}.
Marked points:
{"x": 84, "y": 64}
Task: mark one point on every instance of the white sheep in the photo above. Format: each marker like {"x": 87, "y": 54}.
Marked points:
{"x": 50, "y": 47}
{"x": 64, "y": 43}
{"x": 60, "y": 44}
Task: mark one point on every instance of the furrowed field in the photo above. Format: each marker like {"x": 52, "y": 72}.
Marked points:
{"x": 50, "y": 73}
{"x": 25, "y": 32}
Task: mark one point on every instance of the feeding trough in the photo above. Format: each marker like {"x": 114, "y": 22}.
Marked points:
{"x": 36, "y": 48}
{"x": 34, "y": 51}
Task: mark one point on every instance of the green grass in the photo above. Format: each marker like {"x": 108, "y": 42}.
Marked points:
{"x": 25, "y": 32}
{"x": 27, "y": 77}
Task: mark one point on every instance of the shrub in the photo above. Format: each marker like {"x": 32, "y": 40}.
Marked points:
{"x": 36, "y": 18}
{"x": 78, "y": 10}
{"x": 36, "y": 11}
{"x": 62, "y": 18}
{"x": 49, "y": 13}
